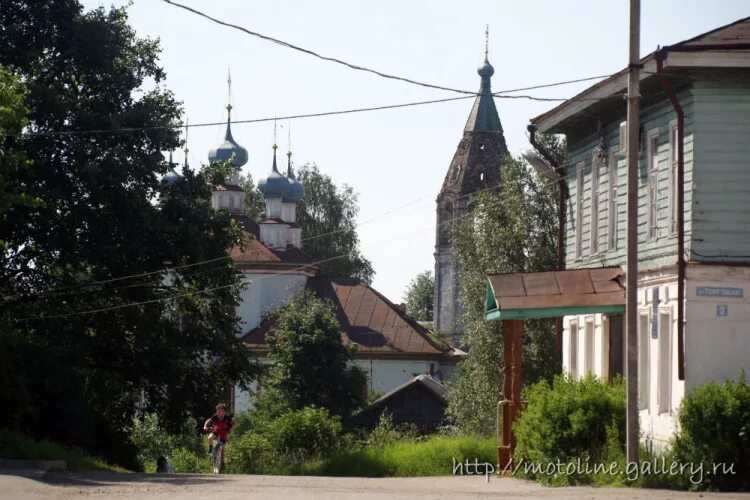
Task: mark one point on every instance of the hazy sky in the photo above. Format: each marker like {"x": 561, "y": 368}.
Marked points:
{"x": 392, "y": 158}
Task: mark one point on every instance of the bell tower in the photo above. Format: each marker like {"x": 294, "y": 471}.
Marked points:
{"x": 475, "y": 167}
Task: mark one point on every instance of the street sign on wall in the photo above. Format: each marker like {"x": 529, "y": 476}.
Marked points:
{"x": 717, "y": 291}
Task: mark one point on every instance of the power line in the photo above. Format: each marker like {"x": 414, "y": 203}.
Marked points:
{"x": 499, "y": 95}
{"x": 315, "y": 54}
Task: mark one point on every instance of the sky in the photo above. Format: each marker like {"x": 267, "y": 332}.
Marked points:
{"x": 394, "y": 159}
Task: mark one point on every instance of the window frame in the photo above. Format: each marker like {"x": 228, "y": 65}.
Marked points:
{"x": 612, "y": 197}
{"x": 596, "y": 164}
{"x": 666, "y": 345}
{"x": 580, "y": 166}
{"x": 573, "y": 331}
{"x": 644, "y": 360}
{"x": 652, "y": 184}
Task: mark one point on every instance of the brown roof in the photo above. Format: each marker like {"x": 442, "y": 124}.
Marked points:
{"x": 732, "y": 34}
{"x": 608, "y": 92}
{"x": 367, "y": 319}
{"x": 552, "y": 289}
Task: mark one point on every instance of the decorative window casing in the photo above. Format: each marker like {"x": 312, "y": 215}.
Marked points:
{"x": 596, "y": 162}
{"x": 579, "y": 209}
{"x": 652, "y": 208}
{"x": 612, "y": 199}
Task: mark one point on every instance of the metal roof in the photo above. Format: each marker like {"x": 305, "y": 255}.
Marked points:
{"x": 555, "y": 293}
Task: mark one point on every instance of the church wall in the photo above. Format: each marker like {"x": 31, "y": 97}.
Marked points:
{"x": 266, "y": 293}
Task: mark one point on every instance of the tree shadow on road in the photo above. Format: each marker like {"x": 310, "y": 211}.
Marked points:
{"x": 101, "y": 478}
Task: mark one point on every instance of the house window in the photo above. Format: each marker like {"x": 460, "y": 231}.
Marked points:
{"x": 573, "y": 354}
{"x": 673, "y": 163}
{"x": 589, "y": 347}
{"x": 612, "y": 201}
{"x": 665, "y": 361}
{"x": 594, "y": 229}
{"x": 643, "y": 361}
{"x": 579, "y": 209}
{"x": 653, "y": 169}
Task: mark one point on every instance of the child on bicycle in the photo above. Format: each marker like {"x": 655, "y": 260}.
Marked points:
{"x": 219, "y": 426}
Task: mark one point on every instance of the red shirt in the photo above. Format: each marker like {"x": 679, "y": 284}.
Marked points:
{"x": 221, "y": 426}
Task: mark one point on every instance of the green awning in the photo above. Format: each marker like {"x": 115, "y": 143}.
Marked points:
{"x": 552, "y": 294}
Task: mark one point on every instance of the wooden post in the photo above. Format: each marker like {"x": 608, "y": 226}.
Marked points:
{"x": 631, "y": 310}
{"x": 511, "y": 403}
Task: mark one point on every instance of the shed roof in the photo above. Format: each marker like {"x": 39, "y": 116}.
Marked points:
{"x": 555, "y": 293}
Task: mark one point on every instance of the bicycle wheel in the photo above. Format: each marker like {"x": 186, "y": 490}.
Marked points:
{"x": 216, "y": 462}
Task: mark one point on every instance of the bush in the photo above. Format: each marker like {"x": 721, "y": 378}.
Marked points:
{"x": 152, "y": 440}
{"x": 187, "y": 461}
{"x": 569, "y": 420}
{"x": 386, "y": 433}
{"x": 281, "y": 445}
{"x": 715, "y": 428}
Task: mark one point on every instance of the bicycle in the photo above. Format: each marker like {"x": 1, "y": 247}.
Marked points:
{"x": 216, "y": 461}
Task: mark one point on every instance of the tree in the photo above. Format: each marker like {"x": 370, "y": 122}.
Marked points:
{"x": 311, "y": 365}
{"x": 514, "y": 230}
{"x": 255, "y": 205}
{"x": 327, "y": 215}
{"x": 98, "y": 318}
{"x": 419, "y": 296}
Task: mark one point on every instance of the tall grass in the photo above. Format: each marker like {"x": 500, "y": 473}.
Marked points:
{"x": 431, "y": 457}
{"x": 17, "y": 446}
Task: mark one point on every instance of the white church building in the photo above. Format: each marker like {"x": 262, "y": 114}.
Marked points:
{"x": 392, "y": 347}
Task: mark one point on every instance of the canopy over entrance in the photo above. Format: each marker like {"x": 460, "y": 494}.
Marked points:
{"x": 551, "y": 294}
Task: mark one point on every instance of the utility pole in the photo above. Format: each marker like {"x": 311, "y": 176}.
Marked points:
{"x": 633, "y": 138}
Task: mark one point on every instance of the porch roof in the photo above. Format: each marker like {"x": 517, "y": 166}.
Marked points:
{"x": 551, "y": 294}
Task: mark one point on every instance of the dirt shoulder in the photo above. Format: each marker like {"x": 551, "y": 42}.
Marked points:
{"x": 28, "y": 485}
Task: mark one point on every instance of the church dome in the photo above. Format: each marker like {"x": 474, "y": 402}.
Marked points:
{"x": 229, "y": 150}
{"x": 274, "y": 185}
{"x": 171, "y": 177}
{"x": 486, "y": 69}
{"x": 296, "y": 191}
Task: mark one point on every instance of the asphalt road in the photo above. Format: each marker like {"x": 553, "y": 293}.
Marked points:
{"x": 37, "y": 485}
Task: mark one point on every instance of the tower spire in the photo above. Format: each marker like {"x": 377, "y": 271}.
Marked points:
{"x": 486, "y": 44}
{"x": 187, "y": 126}
{"x": 289, "y": 172}
{"x": 229, "y": 94}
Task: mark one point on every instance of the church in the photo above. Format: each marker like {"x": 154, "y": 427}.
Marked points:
{"x": 392, "y": 348}
{"x": 475, "y": 168}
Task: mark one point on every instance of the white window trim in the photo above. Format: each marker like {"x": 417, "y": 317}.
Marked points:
{"x": 573, "y": 332}
{"x": 579, "y": 209}
{"x": 644, "y": 360}
{"x": 665, "y": 311}
{"x": 589, "y": 342}
{"x": 673, "y": 161}
{"x": 612, "y": 198}
{"x": 652, "y": 184}
{"x": 596, "y": 168}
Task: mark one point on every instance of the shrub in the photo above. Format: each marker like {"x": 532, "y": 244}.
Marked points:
{"x": 187, "y": 461}
{"x": 715, "y": 428}
{"x": 386, "y": 433}
{"x": 569, "y": 420}
{"x": 152, "y": 440}
{"x": 281, "y": 445}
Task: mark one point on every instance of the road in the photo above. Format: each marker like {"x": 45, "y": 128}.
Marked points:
{"x": 91, "y": 486}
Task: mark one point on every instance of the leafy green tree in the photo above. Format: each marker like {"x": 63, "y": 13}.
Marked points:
{"x": 165, "y": 337}
{"x": 328, "y": 217}
{"x": 255, "y": 205}
{"x": 419, "y": 296}
{"x": 514, "y": 230}
{"x": 311, "y": 365}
